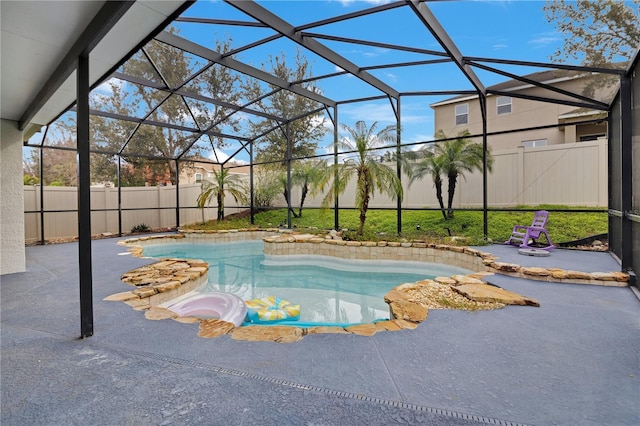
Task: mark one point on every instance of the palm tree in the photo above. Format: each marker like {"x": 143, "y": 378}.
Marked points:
{"x": 457, "y": 157}
{"x": 222, "y": 183}
{"x": 281, "y": 178}
{"x": 427, "y": 164}
{"x": 308, "y": 174}
{"x": 371, "y": 174}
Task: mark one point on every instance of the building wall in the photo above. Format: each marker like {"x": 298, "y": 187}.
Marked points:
{"x": 12, "y": 254}
{"x": 524, "y": 113}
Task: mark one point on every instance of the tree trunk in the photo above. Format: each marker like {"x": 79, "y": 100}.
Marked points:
{"x": 303, "y": 196}
{"x": 364, "y": 207}
{"x": 438, "y": 183}
{"x": 285, "y": 193}
{"x": 453, "y": 180}
{"x": 220, "y": 205}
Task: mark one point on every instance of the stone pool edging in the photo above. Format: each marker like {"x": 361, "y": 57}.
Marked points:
{"x": 461, "y": 256}
{"x": 169, "y": 278}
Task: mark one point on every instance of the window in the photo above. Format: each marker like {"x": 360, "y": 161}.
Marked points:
{"x": 534, "y": 142}
{"x": 198, "y": 177}
{"x": 503, "y": 104}
{"x": 462, "y": 114}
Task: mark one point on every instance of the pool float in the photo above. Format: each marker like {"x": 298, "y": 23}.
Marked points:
{"x": 271, "y": 309}
{"x": 224, "y": 306}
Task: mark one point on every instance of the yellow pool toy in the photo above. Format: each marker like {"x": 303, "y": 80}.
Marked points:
{"x": 271, "y": 309}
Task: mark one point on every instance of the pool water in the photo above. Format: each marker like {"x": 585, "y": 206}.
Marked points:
{"x": 331, "y": 291}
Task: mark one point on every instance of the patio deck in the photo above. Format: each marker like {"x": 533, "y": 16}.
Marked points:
{"x": 574, "y": 360}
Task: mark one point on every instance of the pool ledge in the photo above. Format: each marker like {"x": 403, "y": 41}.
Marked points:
{"x": 170, "y": 278}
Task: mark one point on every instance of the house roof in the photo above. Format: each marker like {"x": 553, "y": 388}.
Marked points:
{"x": 544, "y": 77}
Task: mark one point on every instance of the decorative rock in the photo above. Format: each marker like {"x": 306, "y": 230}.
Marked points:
{"x": 405, "y": 325}
{"x": 121, "y": 297}
{"x": 145, "y": 292}
{"x": 445, "y": 280}
{"x": 214, "y": 327}
{"x": 171, "y": 285}
{"x": 157, "y": 313}
{"x": 559, "y": 274}
{"x": 536, "y": 272}
{"x": 577, "y": 275}
{"x": 402, "y": 308}
{"x": 276, "y": 333}
{"x": 466, "y": 280}
{"x": 621, "y": 276}
{"x": 363, "y": 329}
{"x": 603, "y": 276}
{"x": 199, "y": 269}
{"x": 138, "y": 304}
{"x": 489, "y": 293}
{"x": 505, "y": 267}
{"x": 389, "y": 325}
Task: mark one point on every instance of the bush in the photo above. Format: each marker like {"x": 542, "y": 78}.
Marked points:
{"x": 142, "y": 227}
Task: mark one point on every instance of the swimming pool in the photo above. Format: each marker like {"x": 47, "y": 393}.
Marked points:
{"x": 331, "y": 291}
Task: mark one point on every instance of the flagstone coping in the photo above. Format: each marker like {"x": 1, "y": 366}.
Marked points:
{"x": 169, "y": 278}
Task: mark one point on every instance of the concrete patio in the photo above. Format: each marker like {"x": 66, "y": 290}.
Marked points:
{"x": 573, "y": 360}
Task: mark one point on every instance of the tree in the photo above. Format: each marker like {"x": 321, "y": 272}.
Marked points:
{"x": 427, "y": 163}
{"x": 166, "y": 65}
{"x": 223, "y": 183}
{"x": 304, "y": 132}
{"x": 266, "y": 188}
{"x": 308, "y": 175}
{"x": 457, "y": 157}
{"x": 371, "y": 175}
{"x": 596, "y": 33}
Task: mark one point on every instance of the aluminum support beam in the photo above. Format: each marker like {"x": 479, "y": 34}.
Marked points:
{"x": 213, "y": 56}
{"x": 266, "y": 17}
{"x": 626, "y": 142}
{"x": 542, "y": 85}
{"x": 99, "y": 26}
{"x": 430, "y": 21}
{"x": 84, "y": 199}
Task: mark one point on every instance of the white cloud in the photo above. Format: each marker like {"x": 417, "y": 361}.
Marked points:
{"x": 499, "y": 46}
{"x": 106, "y": 88}
{"x": 222, "y": 157}
{"x": 544, "y": 39}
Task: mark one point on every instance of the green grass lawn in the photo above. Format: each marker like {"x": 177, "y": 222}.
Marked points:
{"x": 382, "y": 224}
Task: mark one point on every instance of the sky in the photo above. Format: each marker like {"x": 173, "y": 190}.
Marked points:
{"x": 495, "y": 29}
{"x": 516, "y": 30}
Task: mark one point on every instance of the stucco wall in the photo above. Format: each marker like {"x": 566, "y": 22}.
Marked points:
{"x": 12, "y": 254}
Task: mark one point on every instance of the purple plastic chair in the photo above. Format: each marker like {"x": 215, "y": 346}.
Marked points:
{"x": 525, "y": 236}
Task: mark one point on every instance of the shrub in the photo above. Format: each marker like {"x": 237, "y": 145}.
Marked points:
{"x": 142, "y": 227}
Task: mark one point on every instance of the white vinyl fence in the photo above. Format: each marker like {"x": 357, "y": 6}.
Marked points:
{"x": 566, "y": 174}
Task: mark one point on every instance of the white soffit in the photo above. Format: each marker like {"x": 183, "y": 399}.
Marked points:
{"x": 36, "y": 35}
